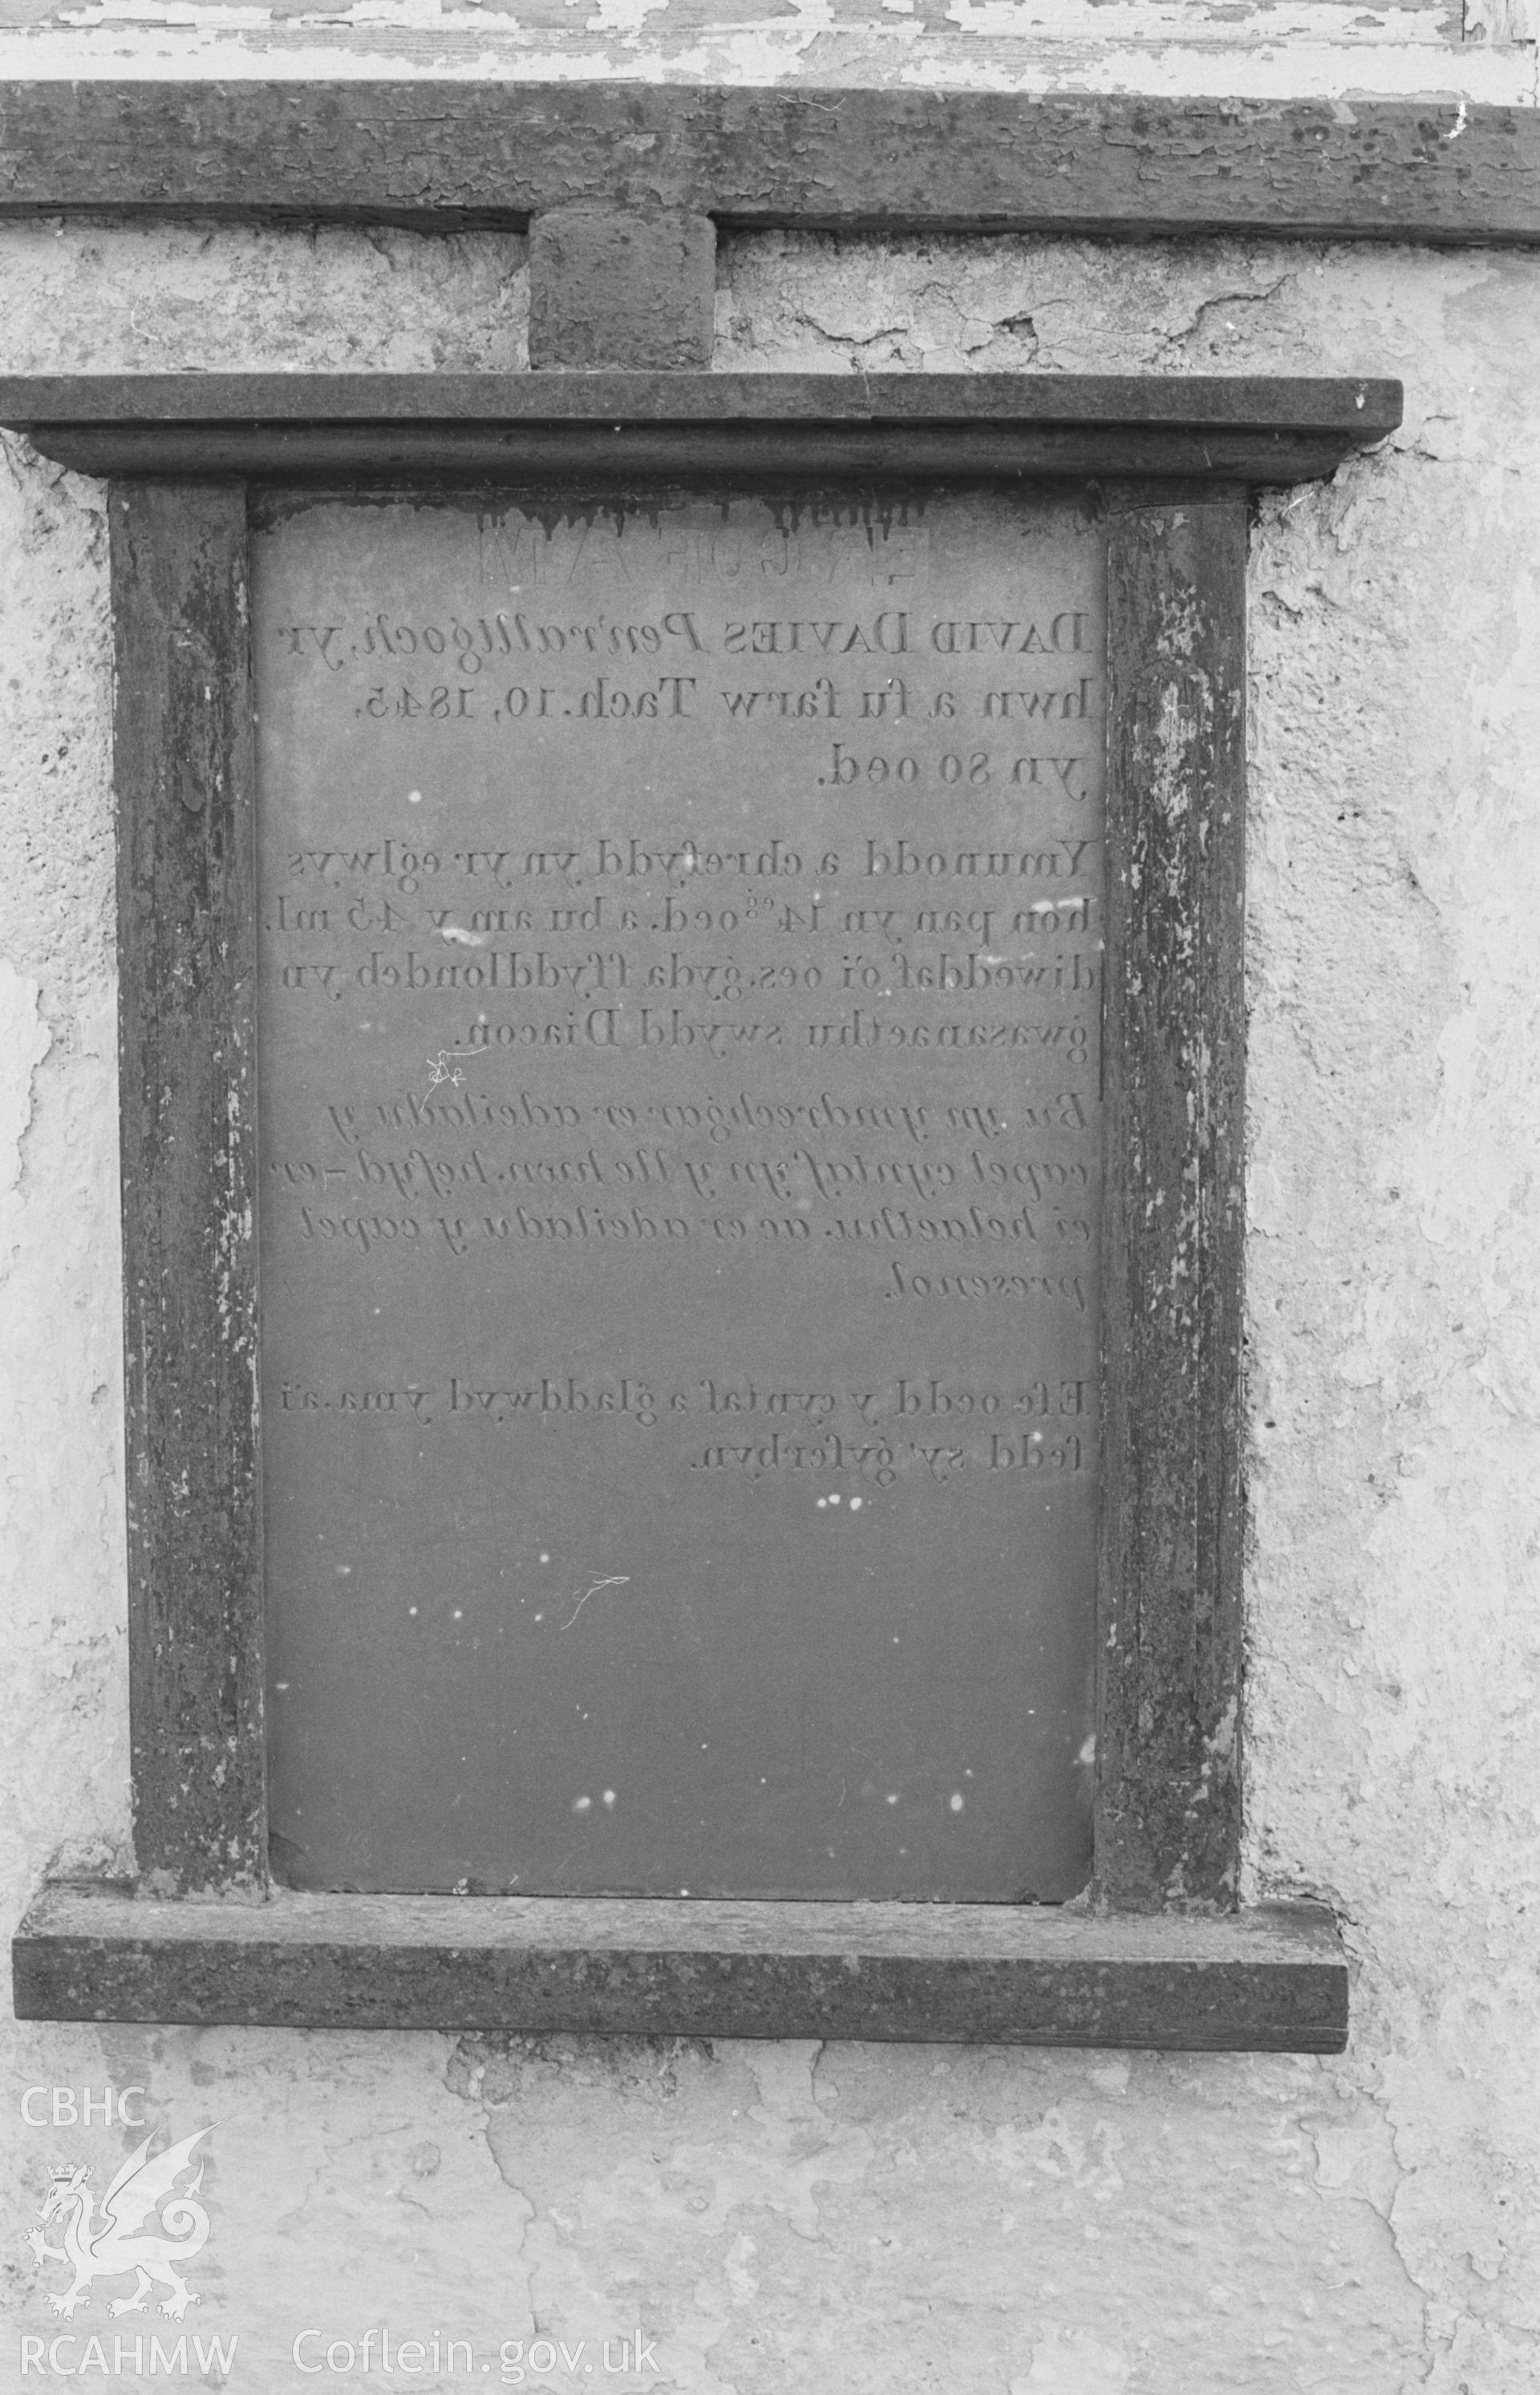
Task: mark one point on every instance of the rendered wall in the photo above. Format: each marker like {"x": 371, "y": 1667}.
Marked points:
{"x": 971, "y": 2222}
{"x": 1435, "y": 49}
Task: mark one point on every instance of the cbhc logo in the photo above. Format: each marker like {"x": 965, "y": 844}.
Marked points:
{"x": 64, "y": 2107}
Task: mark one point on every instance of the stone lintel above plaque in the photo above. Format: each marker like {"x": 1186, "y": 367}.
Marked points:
{"x": 604, "y": 425}
{"x": 895, "y": 160}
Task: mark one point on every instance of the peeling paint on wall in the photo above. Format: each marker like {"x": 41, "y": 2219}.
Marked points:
{"x": 1502, "y": 21}
{"x": 1216, "y": 49}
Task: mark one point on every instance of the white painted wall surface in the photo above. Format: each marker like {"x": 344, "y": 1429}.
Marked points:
{"x": 1339, "y": 49}
{"x": 927, "y": 2221}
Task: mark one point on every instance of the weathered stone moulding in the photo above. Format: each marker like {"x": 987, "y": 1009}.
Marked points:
{"x": 1156, "y": 1954}
{"x": 1132, "y": 166}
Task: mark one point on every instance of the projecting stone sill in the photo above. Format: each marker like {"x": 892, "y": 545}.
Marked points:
{"x": 1273, "y": 1980}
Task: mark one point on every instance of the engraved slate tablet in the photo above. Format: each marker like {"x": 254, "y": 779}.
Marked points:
{"x": 680, "y": 1162}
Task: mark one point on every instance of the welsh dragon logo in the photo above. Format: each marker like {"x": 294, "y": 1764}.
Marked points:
{"x": 120, "y": 2241}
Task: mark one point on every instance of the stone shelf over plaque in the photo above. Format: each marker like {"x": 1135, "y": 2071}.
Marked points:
{"x": 738, "y": 880}
{"x": 1241, "y": 428}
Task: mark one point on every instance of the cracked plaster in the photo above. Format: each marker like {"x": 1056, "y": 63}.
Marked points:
{"x": 855, "y": 2218}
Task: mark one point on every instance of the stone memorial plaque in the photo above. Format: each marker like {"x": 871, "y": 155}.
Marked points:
{"x": 681, "y": 972}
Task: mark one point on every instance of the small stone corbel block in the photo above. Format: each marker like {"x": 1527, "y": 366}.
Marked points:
{"x": 621, "y": 287}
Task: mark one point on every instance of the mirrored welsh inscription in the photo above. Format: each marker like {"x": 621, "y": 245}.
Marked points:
{"x": 680, "y": 987}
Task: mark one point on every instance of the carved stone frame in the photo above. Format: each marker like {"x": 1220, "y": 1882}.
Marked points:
{"x": 1157, "y": 1953}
